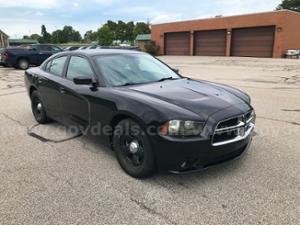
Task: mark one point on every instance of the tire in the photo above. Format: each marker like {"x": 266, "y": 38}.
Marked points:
{"x": 38, "y": 109}
{"x": 133, "y": 149}
{"x": 23, "y": 64}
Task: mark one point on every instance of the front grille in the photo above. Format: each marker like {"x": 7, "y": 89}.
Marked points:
{"x": 234, "y": 129}
{"x": 229, "y": 123}
{"x": 220, "y": 137}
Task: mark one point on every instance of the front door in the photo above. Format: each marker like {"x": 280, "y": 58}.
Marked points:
{"x": 75, "y": 98}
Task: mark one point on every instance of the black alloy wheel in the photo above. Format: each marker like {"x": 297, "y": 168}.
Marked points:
{"x": 133, "y": 150}
{"x": 38, "y": 109}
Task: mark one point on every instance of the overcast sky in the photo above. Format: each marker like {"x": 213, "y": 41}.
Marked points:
{"x": 19, "y": 17}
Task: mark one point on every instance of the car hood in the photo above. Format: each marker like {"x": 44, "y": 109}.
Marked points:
{"x": 202, "y": 98}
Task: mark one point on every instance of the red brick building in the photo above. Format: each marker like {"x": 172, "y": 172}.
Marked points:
{"x": 268, "y": 34}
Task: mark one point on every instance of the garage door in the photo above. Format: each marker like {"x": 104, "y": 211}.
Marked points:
{"x": 210, "y": 43}
{"x": 177, "y": 43}
{"x": 253, "y": 42}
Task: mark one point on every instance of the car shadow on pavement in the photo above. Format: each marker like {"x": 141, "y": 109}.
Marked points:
{"x": 168, "y": 179}
{"x": 195, "y": 178}
{"x": 92, "y": 143}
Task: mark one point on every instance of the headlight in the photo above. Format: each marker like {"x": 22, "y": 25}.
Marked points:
{"x": 182, "y": 128}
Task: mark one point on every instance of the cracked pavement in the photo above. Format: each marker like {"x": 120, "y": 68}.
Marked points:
{"x": 50, "y": 176}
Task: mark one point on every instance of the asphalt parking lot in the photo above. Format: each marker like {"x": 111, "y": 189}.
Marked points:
{"x": 65, "y": 179}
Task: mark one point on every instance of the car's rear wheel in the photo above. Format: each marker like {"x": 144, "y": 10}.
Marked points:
{"x": 38, "y": 108}
{"x": 133, "y": 150}
{"x": 23, "y": 64}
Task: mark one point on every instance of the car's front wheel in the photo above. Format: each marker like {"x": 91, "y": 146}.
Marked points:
{"x": 133, "y": 150}
{"x": 38, "y": 108}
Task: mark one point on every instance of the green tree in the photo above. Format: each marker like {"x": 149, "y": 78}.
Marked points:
{"x": 293, "y": 5}
{"x": 105, "y": 35}
{"x": 113, "y": 27}
{"x": 58, "y": 37}
{"x": 67, "y": 34}
{"x": 141, "y": 28}
{"x": 119, "y": 31}
{"x": 90, "y": 35}
{"x": 26, "y": 37}
{"x": 35, "y": 36}
{"x": 129, "y": 32}
{"x": 45, "y": 38}
{"x": 77, "y": 36}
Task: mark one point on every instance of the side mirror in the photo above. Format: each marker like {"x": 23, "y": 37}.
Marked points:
{"x": 175, "y": 70}
{"x": 82, "y": 80}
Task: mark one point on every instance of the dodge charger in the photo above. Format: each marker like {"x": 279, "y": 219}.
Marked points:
{"x": 152, "y": 117}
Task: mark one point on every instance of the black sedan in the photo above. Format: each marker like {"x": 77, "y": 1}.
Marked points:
{"x": 152, "y": 117}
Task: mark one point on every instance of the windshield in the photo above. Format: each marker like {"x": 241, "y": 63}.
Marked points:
{"x": 126, "y": 69}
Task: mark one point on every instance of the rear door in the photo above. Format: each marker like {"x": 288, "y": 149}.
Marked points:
{"x": 177, "y": 43}
{"x": 44, "y": 52}
{"x": 74, "y": 98}
{"x": 49, "y": 86}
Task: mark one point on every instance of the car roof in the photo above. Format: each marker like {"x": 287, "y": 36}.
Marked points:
{"x": 95, "y": 52}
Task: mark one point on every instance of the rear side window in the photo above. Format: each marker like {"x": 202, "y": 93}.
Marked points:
{"x": 79, "y": 67}
{"x": 56, "y": 66}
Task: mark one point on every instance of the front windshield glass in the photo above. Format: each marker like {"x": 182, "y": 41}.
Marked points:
{"x": 126, "y": 69}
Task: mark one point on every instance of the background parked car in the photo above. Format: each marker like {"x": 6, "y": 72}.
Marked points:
{"x": 135, "y": 48}
{"x": 1, "y": 50}
{"x": 293, "y": 54}
{"x": 92, "y": 47}
{"x": 71, "y": 48}
{"x": 23, "y": 57}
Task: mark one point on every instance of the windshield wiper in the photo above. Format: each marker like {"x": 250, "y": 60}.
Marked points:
{"x": 167, "y": 78}
{"x": 127, "y": 84}
{"x": 161, "y": 80}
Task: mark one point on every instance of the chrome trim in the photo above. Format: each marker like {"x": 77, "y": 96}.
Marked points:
{"x": 237, "y": 138}
{"x": 220, "y": 130}
{"x": 244, "y": 128}
{"x": 250, "y": 119}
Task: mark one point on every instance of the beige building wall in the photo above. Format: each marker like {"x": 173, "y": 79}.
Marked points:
{"x": 3, "y": 40}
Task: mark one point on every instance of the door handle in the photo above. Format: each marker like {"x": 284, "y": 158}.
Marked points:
{"x": 62, "y": 90}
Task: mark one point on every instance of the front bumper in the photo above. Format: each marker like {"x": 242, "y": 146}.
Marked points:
{"x": 5, "y": 64}
{"x": 185, "y": 155}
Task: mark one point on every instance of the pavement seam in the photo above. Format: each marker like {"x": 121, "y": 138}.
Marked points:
{"x": 278, "y": 120}
{"x": 14, "y": 120}
{"x": 43, "y": 139}
{"x": 12, "y": 93}
{"x": 36, "y": 136}
{"x": 151, "y": 211}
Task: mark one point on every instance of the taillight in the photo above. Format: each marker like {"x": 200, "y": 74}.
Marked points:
{"x": 5, "y": 56}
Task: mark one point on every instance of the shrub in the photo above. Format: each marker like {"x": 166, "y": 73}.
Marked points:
{"x": 151, "y": 48}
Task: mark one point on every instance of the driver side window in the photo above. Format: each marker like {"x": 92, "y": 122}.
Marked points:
{"x": 79, "y": 67}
